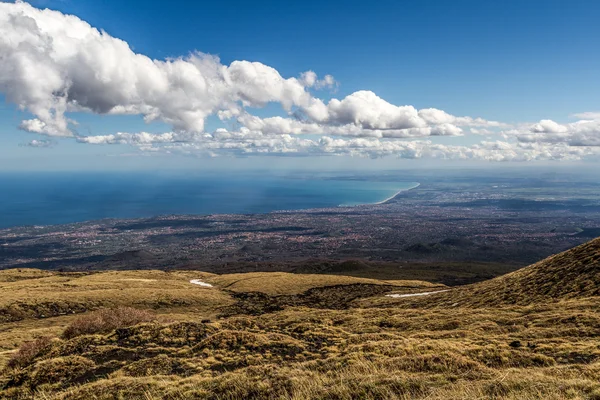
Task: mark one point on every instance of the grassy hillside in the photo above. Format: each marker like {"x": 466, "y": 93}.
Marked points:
{"x": 303, "y": 353}
{"x": 572, "y": 274}
{"x": 283, "y": 283}
{"x": 41, "y": 294}
{"x": 36, "y": 303}
{"x": 528, "y": 335}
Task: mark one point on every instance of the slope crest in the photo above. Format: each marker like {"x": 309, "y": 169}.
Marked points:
{"x": 574, "y": 273}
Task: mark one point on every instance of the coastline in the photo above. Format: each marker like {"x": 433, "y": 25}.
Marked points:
{"x": 397, "y": 193}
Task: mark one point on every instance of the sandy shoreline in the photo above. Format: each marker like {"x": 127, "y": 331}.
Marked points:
{"x": 397, "y": 193}
{"x": 417, "y": 184}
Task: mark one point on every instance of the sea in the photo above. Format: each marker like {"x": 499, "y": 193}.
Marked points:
{"x": 57, "y": 198}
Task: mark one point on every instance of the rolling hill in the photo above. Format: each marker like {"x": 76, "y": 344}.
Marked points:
{"x": 572, "y": 274}
{"x": 529, "y": 334}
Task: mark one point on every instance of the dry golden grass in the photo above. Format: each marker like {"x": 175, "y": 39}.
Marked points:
{"x": 284, "y": 283}
{"x": 107, "y": 320}
{"x": 574, "y": 273}
{"x": 494, "y": 347}
{"x": 42, "y": 294}
{"x": 519, "y": 352}
{"x": 13, "y": 275}
{"x": 37, "y": 303}
{"x": 68, "y": 293}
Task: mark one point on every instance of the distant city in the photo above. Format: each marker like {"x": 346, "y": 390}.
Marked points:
{"x": 462, "y": 217}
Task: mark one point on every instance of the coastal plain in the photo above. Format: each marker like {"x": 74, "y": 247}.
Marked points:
{"x": 460, "y": 229}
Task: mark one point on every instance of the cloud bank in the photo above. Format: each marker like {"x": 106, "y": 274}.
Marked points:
{"x": 53, "y": 65}
{"x": 581, "y": 133}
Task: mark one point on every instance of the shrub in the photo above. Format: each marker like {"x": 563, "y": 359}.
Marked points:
{"x": 28, "y": 351}
{"x": 107, "y": 320}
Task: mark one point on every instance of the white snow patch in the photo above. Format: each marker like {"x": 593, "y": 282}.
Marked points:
{"x": 396, "y": 296}
{"x": 201, "y": 283}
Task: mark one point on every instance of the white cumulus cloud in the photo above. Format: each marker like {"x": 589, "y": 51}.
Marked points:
{"x": 580, "y": 133}
{"x": 52, "y": 65}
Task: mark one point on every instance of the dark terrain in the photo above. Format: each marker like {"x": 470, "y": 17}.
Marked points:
{"x": 464, "y": 229}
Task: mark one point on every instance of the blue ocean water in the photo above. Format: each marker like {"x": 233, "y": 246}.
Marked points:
{"x": 58, "y": 198}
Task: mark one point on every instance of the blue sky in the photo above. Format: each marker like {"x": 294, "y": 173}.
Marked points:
{"x": 516, "y": 62}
